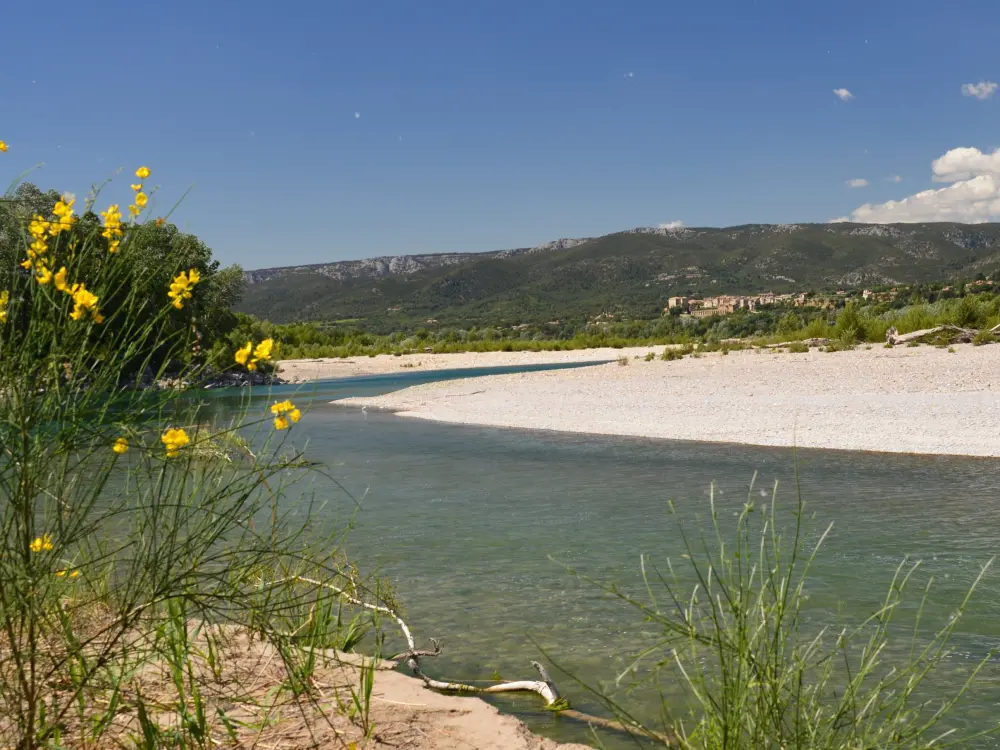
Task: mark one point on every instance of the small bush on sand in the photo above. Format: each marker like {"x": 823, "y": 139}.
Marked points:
{"x": 669, "y": 355}
{"x": 623, "y": 361}
{"x": 983, "y": 337}
{"x": 650, "y": 356}
{"x": 798, "y": 347}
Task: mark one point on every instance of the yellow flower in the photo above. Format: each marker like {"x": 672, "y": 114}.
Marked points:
{"x": 72, "y": 574}
{"x": 243, "y": 353}
{"x": 4, "y": 299}
{"x": 259, "y": 354}
{"x": 3, "y": 147}
{"x": 26, "y": 263}
{"x": 263, "y": 350}
{"x": 60, "y": 277}
{"x": 142, "y": 173}
{"x": 160, "y": 221}
{"x": 284, "y": 411}
{"x": 180, "y": 288}
{"x": 42, "y": 543}
{"x": 44, "y": 274}
{"x": 141, "y": 199}
{"x": 120, "y": 446}
{"x": 64, "y": 206}
{"x": 112, "y": 217}
{"x": 38, "y": 227}
{"x": 83, "y": 301}
{"x": 174, "y": 439}
{"x": 137, "y": 187}
{"x": 134, "y": 210}
{"x": 112, "y": 227}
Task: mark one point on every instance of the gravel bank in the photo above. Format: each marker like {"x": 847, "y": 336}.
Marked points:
{"x": 305, "y": 370}
{"x": 901, "y": 400}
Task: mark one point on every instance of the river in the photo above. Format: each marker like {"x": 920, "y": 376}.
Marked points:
{"x": 467, "y": 523}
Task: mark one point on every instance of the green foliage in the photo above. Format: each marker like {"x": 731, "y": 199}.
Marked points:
{"x": 797, "y": 347}
{"x": 150, "y": 258}
{"x": 758, "y": 672}
{"x": 132, "y": 546}
{"x": 983, "y": 337}
{"x": 629, "y": 275}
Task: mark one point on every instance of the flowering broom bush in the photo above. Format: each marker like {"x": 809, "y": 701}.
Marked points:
{"x": 120, "y": 534}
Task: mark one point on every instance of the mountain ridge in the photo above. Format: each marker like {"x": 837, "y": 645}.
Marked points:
{"x": 629, "y": 272}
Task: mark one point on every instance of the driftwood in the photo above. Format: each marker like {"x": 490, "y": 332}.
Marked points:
{"x": 807, "y": 342}
{"x": 958, "y": 335}
{"x": 545, "y": 688}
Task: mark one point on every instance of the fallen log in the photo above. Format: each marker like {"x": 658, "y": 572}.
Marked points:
{"x": 807, "y": 342}
{"x": 958, "y": 335}
{"x": 545, "y": 688}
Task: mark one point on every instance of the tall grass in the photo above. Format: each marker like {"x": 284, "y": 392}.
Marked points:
{"x": 757, "y": 672}
{"x": 126, "y": 546}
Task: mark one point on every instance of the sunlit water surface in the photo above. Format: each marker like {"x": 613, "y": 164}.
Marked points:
{"x": 467, "y": 523}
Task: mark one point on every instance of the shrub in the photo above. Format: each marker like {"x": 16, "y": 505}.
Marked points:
{"x": 797, "y": 347}
{"x": 139, "y": 532}
{"x": 759, "y": 672}
{"x": 623, "y": 361}
{"x": 983, "y": 337}
{"x": 669, "y": 355}
{"x": 650, "y": 356}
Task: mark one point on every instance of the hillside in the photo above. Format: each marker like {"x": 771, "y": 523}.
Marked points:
{"x": 630, "y": 272}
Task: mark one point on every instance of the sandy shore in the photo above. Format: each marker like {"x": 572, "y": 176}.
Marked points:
{"x": 901, "y": 400}
{"x": 305, "y": 370}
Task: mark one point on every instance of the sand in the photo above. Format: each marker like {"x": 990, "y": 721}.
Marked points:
{"x": 901, "y": 400}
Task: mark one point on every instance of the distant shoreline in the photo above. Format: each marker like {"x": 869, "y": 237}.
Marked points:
{"x": 923, "y": 400}
{"x": 322, "y": 368}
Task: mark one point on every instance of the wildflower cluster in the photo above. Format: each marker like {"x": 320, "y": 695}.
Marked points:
{"x": 249, "y": 355}
{"x": 112, "y": 227}
{"x": 174, "y": 439}
{"x": 285, "y": 413}
{"x": 41, "y": 231}
{"x": 141, "y": 199}
{"x": 180, "y": 289}
{"x": 42, "y": 543}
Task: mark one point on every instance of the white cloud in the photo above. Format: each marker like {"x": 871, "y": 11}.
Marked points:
{"x": 981, "y": 90}
{"x": 843, "y": 94}
{"x": 672, "y": 225}
{"x": 894, "y": 178}
{"x": 965, "y": 163}
{"x": 357, "y": 115}
{"x": 973, "y": 197}
{"x": 857, "y": 182}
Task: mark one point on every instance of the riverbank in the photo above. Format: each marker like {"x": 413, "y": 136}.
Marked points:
{"x": 901, "y": 400}
{"x": 306, "y": 370}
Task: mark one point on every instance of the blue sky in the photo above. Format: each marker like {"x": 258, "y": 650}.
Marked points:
{"x": 317, "y": 131}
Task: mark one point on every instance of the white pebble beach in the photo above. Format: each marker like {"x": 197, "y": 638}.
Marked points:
{"x": 902, "y": 400}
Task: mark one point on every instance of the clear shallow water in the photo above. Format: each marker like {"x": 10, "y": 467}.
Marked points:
{"x": 464, "y": 521}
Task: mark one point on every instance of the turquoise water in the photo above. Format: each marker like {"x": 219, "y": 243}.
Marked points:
{"x": 464, "y": 520}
